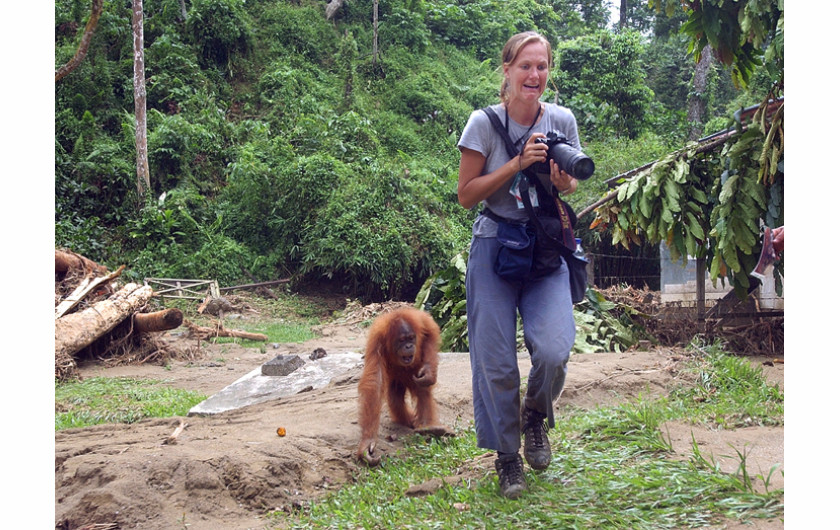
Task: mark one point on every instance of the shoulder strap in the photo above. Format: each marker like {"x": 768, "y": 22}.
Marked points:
{"x": 497, "y": 123}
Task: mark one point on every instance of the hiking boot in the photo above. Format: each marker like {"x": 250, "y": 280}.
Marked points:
{"x": 511, "y": 475}
{"x": 537, "y": 448}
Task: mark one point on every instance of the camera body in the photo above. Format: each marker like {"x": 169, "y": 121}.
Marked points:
{"x": 567, "y": 158}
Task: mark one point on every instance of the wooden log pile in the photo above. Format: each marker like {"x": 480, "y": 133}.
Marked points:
{"x": 91, "y": 304}
{"x": 97, "y": 317}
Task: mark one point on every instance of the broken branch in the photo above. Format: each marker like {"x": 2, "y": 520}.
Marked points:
{"x": 218, "y": 330}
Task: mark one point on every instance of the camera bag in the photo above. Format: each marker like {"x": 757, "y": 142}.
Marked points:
{"x": 555, "y": 240}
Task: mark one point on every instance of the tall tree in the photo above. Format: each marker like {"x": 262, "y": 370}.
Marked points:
{"x": 143, "y": 180}
{"x": 622, "y": 14}
{"x": 332, "y": 7}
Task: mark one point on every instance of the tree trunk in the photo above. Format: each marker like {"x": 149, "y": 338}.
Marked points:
{"x": 218, "y": 330}
{"x": 375, "y": 31}
{"x": 65, "y": 261}
{"x": 79, "y": 330}
{"x": 158, "y": 321}
{"x": 696, "y": 102}
{"x": 143, "y": 180}
{"x": 622, "y": 14}
{"x": 87, "y": 36}
{"x": 332, "y": 7}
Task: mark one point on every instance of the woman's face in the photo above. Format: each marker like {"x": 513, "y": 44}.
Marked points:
{"x": 528, "y": 73}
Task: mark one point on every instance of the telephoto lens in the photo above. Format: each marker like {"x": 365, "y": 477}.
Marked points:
{"x": 569, "y": 159}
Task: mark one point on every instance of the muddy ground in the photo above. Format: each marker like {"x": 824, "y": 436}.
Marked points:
{"x": 228, "y": 470}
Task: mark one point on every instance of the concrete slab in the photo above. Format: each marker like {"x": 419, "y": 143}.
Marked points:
{"x": 255, "y": 387}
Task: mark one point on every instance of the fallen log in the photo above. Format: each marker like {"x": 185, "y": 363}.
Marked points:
{"x": 66, "y": 261}
{"x": 218, "y": 330}
{"x": 157, "y": 321}
{"x": 78, "y": 330}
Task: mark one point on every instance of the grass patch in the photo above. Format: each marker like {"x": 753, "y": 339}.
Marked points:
{"x": 118, "y": 400}
{"x": 611, "y": 469}
{"x": 729, "y": 392}
{"x": 276, "y": 331}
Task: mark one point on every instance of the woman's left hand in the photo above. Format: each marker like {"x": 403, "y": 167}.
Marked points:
{"x": 565, "y": 183}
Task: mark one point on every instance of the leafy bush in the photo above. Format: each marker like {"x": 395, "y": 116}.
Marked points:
{"x": 405, "y": 28}
{"x": 173, "y": 74}
{"x": 600, "y": 77}
{"x": 297, "y": 30}
{"x": 220, "y": 29}
{"x": 379, "y": 232}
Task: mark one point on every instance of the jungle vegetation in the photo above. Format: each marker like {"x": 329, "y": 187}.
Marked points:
{"x": 286, "y": 142}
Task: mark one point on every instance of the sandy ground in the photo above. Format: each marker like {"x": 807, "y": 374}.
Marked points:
{"x": 227, "y": 470}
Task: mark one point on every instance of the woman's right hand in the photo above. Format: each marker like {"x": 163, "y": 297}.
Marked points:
{"x": 532, "y": 152}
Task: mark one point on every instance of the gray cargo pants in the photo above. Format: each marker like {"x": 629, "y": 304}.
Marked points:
{"x": 549, "y": 330}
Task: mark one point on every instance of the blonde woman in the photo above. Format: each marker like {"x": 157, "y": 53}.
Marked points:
{"x": 487, "y": 174}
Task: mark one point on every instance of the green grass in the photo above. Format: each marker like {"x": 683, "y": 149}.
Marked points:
{"x": 118, "y": 400}
{"x": 611, "y": 469}
{"x": 276, "y": 331}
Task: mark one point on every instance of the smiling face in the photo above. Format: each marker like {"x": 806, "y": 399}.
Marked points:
{"x": 528, "y": 73}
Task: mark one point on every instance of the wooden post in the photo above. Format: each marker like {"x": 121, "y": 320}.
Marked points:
{"x": 700, "y": 276}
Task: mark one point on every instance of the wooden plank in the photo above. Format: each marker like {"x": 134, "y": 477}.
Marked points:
{"x": 80, "y": 292}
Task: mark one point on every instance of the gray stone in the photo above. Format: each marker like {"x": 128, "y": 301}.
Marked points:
{"x": 282, "y": 365}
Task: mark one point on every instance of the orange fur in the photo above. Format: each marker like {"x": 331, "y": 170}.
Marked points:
{"x": 386, "y": 376}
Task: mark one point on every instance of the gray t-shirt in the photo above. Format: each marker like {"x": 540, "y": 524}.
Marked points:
{"x": 480, "y": 135}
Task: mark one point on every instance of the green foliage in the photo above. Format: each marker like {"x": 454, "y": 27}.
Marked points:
{"x": 614, "y": 156}
{"x": 403, "y": 27}
{"x": 600, "y": 77}
{"x": 96, "y": 169}
{"x": 174, "y": 146}
{"x": 173, "y": 73}
{"x": 444, "y": 296}
{"x": 702, "y": 203}
{"x": 221, "y": 29}
{"x": 378, "y": 231}
{"x": 743, "y": 34}
{"x": 296, "y": 30}
{"x": 288, "y": 93}
{"x": 177, "y": 236}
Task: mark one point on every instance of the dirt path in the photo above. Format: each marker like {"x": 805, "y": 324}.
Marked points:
{"x": 226, "y": 470}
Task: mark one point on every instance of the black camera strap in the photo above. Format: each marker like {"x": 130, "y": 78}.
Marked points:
{"x": 497, "y": 123}
{"x": 564, "y": 211}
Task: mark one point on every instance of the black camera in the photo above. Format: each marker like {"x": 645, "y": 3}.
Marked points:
{"x": 567, "y": 158}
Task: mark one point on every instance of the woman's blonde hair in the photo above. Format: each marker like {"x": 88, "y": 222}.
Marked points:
{"x": 511, "y": 50}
